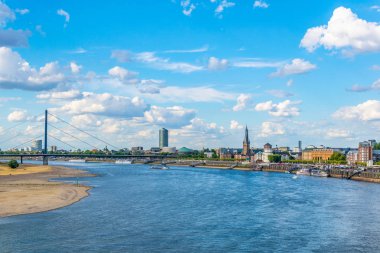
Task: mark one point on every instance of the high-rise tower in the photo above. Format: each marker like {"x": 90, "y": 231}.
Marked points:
{"x": 164, "y": 138}
{"x": 246, "y": 143}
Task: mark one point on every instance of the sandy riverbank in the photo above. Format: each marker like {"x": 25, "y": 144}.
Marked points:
{"x": 27, "y": 189}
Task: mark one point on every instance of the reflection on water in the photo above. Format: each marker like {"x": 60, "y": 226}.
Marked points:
{"x": 135, "y": 209}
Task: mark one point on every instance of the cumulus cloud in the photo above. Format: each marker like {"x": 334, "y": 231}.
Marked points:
{"x": 188, "y": 7}
{"x": 105, "y": 104}
{"x": 75, "y": 68}
{"x": 235, "y": 125}
{"x": 16, "y": 73}
{"x": 242, "y": 102}
{"x": 344, "y": 31}
{"x": 271, "y": 128}
{"x": 17, "y": 116}
{"x": 65, "y": 14}
{"x": 175, "y": 116}
{"x": 295, "y": 67}
{"x": 217, "y": 64}
{"x": 121, "y": 73}
{"x": 260, "y": 4}
{"x": 286, "y": 108}
{"x": 366, "y": 111}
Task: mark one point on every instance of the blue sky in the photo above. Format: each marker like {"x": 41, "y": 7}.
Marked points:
{"x": 290, "y": 70}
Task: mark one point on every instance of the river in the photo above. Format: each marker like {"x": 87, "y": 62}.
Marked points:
{"x": 134, "y": 209}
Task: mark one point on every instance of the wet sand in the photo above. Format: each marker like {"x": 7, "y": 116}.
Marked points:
{"x": 27, "y": 189}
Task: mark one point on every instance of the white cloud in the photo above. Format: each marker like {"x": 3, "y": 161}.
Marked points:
{"x": 151, "y": 59}
{"x": 121, "y": 73}
{"x": 175, "y": 116}
{"x": 190, "y": 94}
{"x": 289, "y": 82}
{"x": 22, "y": 11}
{"x": 282, "y": 109}
{"x": 105, "y": 104}
{"x": 188, "y": 7}
{"x": 255, "y": 63}
{"x": 297, "y": 66}
{"x": 223, "y": 4}
{"x": 337, "y": 133}
{"x": 16, "y": 73}
{"x": 242, "y": 102}
{"x": 6, "y": 14}
{"x": 260, "y": 4}
{"x": 60, "y": 95}
{"x": 366, "y": 111}
{"x": 75, "y": 68}
{"x": 17, "y": 116}
{"x": 376, "y": 8}
{"x": 65, "y": 14}
{"x": 271, "y": 128}
{"x": 235, "y": 125}
{"x": 358, "y": 88}
{"x": 345, "y": 31}
{"x": 217, "y": 64}
{"x": 195, "y": 50}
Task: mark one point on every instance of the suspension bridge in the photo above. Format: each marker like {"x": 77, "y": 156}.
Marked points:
{"x": 79, "y": 136}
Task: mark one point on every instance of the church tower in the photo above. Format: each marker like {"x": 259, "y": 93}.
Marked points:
{"x": 246, "y": 144}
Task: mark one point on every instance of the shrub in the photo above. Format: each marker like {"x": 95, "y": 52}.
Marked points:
{"x": 13, "y": 164}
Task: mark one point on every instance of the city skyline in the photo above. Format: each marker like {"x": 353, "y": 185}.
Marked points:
{"x": 123, "y": 72}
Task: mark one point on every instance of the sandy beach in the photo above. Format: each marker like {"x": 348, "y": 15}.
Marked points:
{"x": 27, "y": 189}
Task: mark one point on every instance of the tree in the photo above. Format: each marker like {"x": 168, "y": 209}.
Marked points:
{"x": 274, "y": 158}
{"x": 336, "y": 156}
{"x": 13, "y": 164}
{"x": 377, "y": 146}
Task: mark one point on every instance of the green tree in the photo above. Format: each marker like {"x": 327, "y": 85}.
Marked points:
{"x": 274, "y": 158}
{"x": 377, "y": 146}
{"x": 13, "y": 164}
{"x": 336, "y": 156}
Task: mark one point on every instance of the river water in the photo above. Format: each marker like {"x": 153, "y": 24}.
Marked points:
{"x": 134, "y": 209}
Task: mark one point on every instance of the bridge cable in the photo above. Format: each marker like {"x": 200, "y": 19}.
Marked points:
{"x": 63, "y": 142}
{"x": 11, "y": 127}
{"x": 84, "y": 131}
{"x": 27, "y": 142}
{"x": 74, "y": 137}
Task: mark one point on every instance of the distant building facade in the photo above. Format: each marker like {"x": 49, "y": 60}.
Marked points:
{"x": 37, "y": 145}
{"x": 317, "y": 154}
{"x": 365, "y": 152}
{"x": 163, "y": 138}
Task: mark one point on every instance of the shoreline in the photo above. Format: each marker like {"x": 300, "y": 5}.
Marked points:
{"x": 30, "y": 189}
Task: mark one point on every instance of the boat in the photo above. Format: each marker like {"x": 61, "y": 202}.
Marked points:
{"x": 159, "y": 167}
{"x": 318, "y": 173}
{"x": 304, "y": 171}
{"x": 123, "y": 162}
{"x": 77, "y": 161}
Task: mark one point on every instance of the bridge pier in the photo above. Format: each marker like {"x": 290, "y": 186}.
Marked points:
{"x": 45, "y": 160}
{"x": 21, "y": 160}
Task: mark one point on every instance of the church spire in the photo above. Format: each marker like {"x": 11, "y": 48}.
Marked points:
{"x": 246, "y": 137}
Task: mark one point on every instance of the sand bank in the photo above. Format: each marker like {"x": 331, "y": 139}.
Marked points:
{"x": 27, "y": 189}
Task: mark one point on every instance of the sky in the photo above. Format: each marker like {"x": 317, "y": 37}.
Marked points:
{"x": 121, "y": 70}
